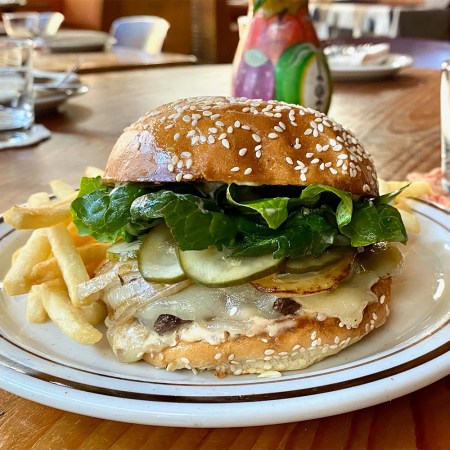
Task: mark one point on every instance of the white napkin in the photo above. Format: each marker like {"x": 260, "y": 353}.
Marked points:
{"x": 357, "y": 56}
{"x": 34, "y": 135}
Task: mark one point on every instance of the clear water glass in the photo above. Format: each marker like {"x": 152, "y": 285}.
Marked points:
{"x": 21, "y": 24}
{"x": 16, "y": 89}
{"x": 445, "y": 124}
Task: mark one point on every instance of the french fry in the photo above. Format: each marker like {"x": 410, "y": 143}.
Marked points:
{"x": 410, "y": 221}
{"x": 23, "y": 217}
{"x": 35, "y": 311}
{"x": 36, "y": 249}
{"x": 92, "y": 255}
{"x": 38, "y": 199}
{"x": 94, "y": 313}
{"x": 15, "y": 255}
{"x": 93, "y": 172}
{"x": 69, "y": 261}
{"x": 69, "y": 319}
{"x": 61, "y": 189}
{"x": 77, "y": 239}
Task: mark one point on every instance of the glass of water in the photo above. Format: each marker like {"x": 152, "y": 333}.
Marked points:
{"x": 16, "y": 89}
{"x": 445, "y": 124}
{"x": 21, "y": 24}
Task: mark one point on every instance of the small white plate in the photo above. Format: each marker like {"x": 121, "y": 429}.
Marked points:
{"x": 78, "y": 41}
{"x": 391, "y": 66}
{"x": 408, "y": 353}
{"x": 47, "y": 100}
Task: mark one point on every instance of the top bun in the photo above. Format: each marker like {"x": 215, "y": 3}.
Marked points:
{"x": 238, "y": 140}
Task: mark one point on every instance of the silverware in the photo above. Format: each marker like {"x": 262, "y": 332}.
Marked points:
{"x": 445, "y": 125}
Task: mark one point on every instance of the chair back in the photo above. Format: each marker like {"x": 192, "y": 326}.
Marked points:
{"x": 421, "y": 23}
{"x": 142, "y": 32}
{"x": 49, "y": 23}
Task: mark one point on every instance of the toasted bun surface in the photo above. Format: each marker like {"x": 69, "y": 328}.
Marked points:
{"x": 305, "y": 342}
{"x": 226, "y": 139}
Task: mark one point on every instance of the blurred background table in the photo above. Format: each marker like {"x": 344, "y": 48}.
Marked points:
{"x": 396, "y": 119}
{"x": 115, "y": 58}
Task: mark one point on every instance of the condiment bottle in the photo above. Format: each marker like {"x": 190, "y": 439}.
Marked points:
{"x": 280, "y": 57}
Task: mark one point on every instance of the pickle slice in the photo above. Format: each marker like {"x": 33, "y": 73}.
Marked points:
{"x": 123, "y": 251}
{"x": 213, "y": 268}
{"x": 157, "y": 257}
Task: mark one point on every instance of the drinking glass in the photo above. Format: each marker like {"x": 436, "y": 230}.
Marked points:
{"x": 16, "y": 89}
{"x": 445, "y": 124}
{"x": 21, "y": 25}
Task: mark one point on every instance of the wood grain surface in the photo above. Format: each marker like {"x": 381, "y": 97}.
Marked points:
{"x": 396, "y": 119}
{"x": 116, "y": 58}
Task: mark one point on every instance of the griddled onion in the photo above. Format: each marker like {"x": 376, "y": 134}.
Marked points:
{"x": 285, "y": 284}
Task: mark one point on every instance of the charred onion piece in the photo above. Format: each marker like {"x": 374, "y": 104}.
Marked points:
{"x": 168, "y": 322}
{"x": 286, "y": 306}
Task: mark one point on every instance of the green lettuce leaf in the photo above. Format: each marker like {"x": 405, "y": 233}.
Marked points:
{"x": 103, "y": 212}
{"x": 273, "y": 210}
{"x": 195, "y": 223}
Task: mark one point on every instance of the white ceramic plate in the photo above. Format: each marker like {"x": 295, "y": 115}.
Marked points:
{"x": 78, "y": 41}
{"x": 50, "y": 100}
{"x": 409, "y": 352}
{"x": 393, "y": 64}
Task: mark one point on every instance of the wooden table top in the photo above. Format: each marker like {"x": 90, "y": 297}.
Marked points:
{"x": 115, "y": 58}
{"x": 396, "y": 119}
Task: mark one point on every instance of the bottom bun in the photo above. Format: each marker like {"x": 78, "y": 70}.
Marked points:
{"x": 305, "y": 341}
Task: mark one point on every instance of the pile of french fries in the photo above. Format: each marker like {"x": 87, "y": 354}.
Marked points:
{"x": 54, "y": 261}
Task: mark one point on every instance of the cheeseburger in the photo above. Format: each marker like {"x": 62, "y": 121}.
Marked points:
{"x": 249, "y": 236}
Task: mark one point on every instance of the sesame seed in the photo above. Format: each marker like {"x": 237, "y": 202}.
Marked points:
{"x": 315, "y": 161}
{"x": 180, "y": 164}
{"x": 242, "y": 151}
{"x": 238, "y": 372}
{"x": 207, "y": 113}
{"x": 218, "y": 356}
{"x": 225, "y": 143}
{"x": 248, "y": 171}
{"x": 313, "y": 335}
{"x": 234, "y": 169}
{"x": 382, "y": 299}
{"x": 186, "y": 118}
{"x": 333, "y": 171}
{"x": 272, "y": 135}
{"x": 202, "y": 139}
{"x": 215, "y": 116}
{"x": 195, "y": 140}
{"x": 246, "y": 109}
{"x": 168, "y": 127}
{"x": 176, "y": 136}
{"x": 174, "y": 159}
{"x": 256, "y": 138}
{"x": 188, "y": 163}
{"x": 222, "y": 136}
{"x": 258, "y": 147}
{"x": 258, "y": 154}
{"x": 211, "y": 139}
{"x": 308, "y": 131}
{"x": 231, "y": 357}
{"x": 170, "y": 168}
{"x": 179, "y": 177}
{"x": 297, "y": 146}
{"x": 230, "y": 129}
{"x": 268, "y": 114}
{"x": 245, "y": 127}
{"x": 212, "y": 130}
{"x": 282, "y": 125}
{"x": 289, "y": 160}
{"x": 219, "y": 123}
{"x": 267, "y": 358}
{"x": 237, "y": 124}
{"x": 277, "y": 115}
{"x": 302, "y": 177}
{"x": 277, "y": 128}
{"x": 233, "y": 311}
{"x": 196, "y": 116}
{"x": 309, "y": 155}
{"x": 188, "y": 176}
{"x": 295, "y": 347}
{"x": 184, "y": 360}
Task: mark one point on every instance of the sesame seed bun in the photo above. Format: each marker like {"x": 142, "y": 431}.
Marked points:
{"x": 226, "y": 139}
{"x": 305, "y": 342}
